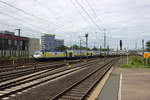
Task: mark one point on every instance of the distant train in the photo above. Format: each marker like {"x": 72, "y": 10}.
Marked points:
{"x": 69, "y": 54}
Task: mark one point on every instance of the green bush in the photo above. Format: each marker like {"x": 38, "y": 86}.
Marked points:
{"x": 136, "y": 62}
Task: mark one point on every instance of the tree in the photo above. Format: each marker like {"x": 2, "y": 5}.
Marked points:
{"x": 105, "y": 49}
{"x": 61, "y": 48}
{"x": 83, "y": 48}
{"x": 74, "y": 47}
{"x": 94, "y": 48}
{"x": 148, "y": 45}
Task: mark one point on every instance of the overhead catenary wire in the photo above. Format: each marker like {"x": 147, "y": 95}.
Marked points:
{"x": 84, "y": 18}
{"x": 27, "y": 13}
{"x": 11, "y": 27}
{"x": 92, "y": 20}
{"x": 33, "y": 16}
{"x": 15, "y": 27}
{"x": 52, "y": 11}
{"x": 17, "y": 19}
{"x": 95, "y": 17}
{"x": 94, "y": 13}
{"x": 88, "y": 15}
{"x": 78, "y": 10}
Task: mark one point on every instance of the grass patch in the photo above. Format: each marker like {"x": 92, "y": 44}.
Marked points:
{"x": 136, "y": 62}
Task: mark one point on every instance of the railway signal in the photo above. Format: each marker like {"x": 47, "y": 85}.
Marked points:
{"x": 143, "y": 47}
{"x": 120, "y": 44}
{"x": 86, "y": 36}
{"x": 121, "y": 51}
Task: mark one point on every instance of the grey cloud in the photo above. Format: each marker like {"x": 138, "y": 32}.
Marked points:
{"x": 123, "y": 19}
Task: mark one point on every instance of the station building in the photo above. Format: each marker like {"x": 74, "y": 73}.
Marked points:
{"x": 12, "y": 45}
{"x": 49, "y": 42}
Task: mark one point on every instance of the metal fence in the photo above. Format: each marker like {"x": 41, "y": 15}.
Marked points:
{"x": 8, "y": 53}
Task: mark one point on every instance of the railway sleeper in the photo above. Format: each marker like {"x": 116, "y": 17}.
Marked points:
{"x": 63, "y": 99}
{"x": 71, "y": 97}
{"x": 73, "y": 94}
{"x": 78, "y": 90}
{"x": 83, "y": 88}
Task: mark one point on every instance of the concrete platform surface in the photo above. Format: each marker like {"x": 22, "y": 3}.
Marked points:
{"x": 135, "y": 83}
{"x": 110, "y": 90}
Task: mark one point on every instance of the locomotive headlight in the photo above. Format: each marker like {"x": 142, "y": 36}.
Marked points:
{"x": 37, "y": 54}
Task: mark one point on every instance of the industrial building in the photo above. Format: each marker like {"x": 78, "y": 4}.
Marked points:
{"x": 12, "y": 45}
{"x": 34, "y": 45}
{"x": 49, "y": 42}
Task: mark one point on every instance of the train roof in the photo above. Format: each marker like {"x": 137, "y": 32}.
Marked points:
{"x": 50, "y": 51}
{"x": 68, "y": 50}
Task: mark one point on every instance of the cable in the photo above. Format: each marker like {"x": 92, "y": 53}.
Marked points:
{"x": 14, "y": 27}
{"x": 92, "y": 9}
{"x": 95, "y": 15}
{"x": 79, "y": 11}
{"x": 18, "y": 19}
{"x": 52, "y": 11}
{"x": 27, "y": 13}
{"x": 88, "y": 15}
{"x": 11, "y": 27}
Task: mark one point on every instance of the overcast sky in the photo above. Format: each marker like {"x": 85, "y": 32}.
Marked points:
{"x": 128, "y": 20}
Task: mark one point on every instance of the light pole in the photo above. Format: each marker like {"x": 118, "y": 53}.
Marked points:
{"x": 3, "y": 45}
{"x": 143, "y": 47}
{"x": 18, "y": 41}
{"x": 80, "y": 50}
{"x": 80, "y": 46}
{"x": 104, "y": 42}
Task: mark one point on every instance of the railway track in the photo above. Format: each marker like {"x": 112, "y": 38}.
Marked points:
{"x": 28, "y": 70}
{"x": 11, "y": 67}
{"x": 22, "y": 83}
{"x": 5, "y": 68}
{"x": 81, "y": 89}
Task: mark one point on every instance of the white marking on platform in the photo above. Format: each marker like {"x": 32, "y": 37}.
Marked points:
{"x": 119, "y": 93}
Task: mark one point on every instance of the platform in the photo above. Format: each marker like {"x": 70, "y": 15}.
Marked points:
{"x": 111, "y": 88}
{"x": 134, "y": 85}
